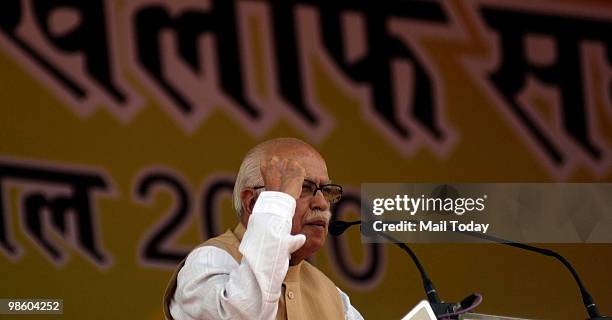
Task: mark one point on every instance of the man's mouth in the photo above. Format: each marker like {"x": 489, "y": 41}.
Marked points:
{"x": 317, "y": 223}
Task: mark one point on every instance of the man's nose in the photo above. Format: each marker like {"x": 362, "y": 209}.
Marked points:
{"x": 318, "y": 202}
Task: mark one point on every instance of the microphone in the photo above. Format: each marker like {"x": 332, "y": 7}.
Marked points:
{"x": 441, "y": 309}
{"x": 339, "y": 227}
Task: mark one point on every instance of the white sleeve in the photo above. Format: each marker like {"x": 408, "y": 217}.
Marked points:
{"x": 350, "y": 313}
{"x": 211, "y": 285}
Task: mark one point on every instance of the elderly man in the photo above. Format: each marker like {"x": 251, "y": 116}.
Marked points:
{"x": 257, "y": 271}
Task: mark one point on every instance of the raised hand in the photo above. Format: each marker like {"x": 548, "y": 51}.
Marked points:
{"x": 284, "y": 175}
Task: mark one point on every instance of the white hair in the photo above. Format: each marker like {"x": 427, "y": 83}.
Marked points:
{"x": 249, "y": 175}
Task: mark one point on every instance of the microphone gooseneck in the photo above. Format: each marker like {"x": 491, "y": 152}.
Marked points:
{"x": 587, "y": 299}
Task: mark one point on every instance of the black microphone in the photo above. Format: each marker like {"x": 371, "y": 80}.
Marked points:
{"x": 440, "y": 308}
{"x": 338, "y": 227}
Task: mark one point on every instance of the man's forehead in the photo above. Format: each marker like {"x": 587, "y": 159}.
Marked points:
{"x": 314, "y": 172}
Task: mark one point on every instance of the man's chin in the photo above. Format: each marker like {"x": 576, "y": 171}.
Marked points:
{"x": 314, "y": 244}
{"x": 315, "y": 235}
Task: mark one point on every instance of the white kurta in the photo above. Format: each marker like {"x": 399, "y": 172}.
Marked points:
{"x": 212, "y": 285}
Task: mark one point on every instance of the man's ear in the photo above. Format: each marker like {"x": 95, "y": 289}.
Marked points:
{"x": 247, "y": 200}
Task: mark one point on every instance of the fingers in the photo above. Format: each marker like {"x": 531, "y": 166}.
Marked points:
{"x": 271, "y": 172}
{"x": 292, "y": 178}
{"x": 284, "y": 175}
{"x": 294, "y": 168}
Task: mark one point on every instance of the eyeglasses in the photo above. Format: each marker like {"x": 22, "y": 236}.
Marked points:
{"x": 331, "y": 192}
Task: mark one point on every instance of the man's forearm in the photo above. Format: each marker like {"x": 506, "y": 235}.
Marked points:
{"x": 265, "y": 246}
{"x": 210, "y": 289}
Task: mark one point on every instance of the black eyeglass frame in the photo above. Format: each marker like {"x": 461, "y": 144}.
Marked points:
{"x": 317, "y": 188}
